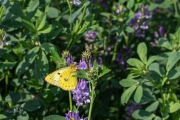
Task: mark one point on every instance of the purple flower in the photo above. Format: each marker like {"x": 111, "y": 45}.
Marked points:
{"x": 82, "y": 65}
{"x": 99, "y": 61}
{"x": 122, "y": 57}
{"x": 90, "y": 36}
{"x": 139, "y": 22}
{"x": 76, "y": 2}
{"x": 157, "y": 35}
{"x": 74, "y": 116}
{"x": 66, "y": 55}
{"x": 81, "y": 93}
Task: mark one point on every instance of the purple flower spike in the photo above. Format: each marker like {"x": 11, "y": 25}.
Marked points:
{"x": 81, "y": 93}
{"x": 74, "y": 116}
{"x": 82, "y": 65}
{"x": 156, "y": 34}
{"x": 76, "y": 2}
{"x": 99, "y": 61}
{"x": 90, "y": 36}
{"x": 69, "y": 60}
{"x": 139, "y": 22}
{"x": 161, "y": 31}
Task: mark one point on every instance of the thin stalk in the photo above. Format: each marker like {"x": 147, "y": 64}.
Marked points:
{"x": 115, "y": 51}
{"x": 70, "y": 10}
{"x": 70, "y": 100}
{"x": 91, "y": 104}
{"x": 6, "y": 83}
{"x": 175, "y": 6}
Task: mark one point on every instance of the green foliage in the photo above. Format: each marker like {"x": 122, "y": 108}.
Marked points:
{"x": 133, "y": 60}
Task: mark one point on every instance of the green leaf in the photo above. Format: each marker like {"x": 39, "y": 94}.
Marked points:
{"x": 106, "y": 14}
{"x": 2, "y": 116}
{"x": 87, "y": 3}
{"x": 29, "y": 58}
{"x": 16, "y": 10}
{"x": 157, "y": 118}
{"x": 122, "y": 1}
{"x": 33, "y": 5}
{"x": 28, "y": 24}
{"x": 22, "y": 67}
{"x": 147, "y": 96}
{"x": 130, "y": 4}
{"x": 166, "y": 4}
{"x": 129, "y": 29}
{"x": 17, "y": 97}
{"x": 172, "y": 60}
{"x": 17, "y": 82}
{"x": 152, "y": 6}
{"x": 95, "y": 64}
{"x": 142, "y": 114}
{"x": 40, "y": 22}
{"x": 153, "y": 106}
{"x": 116, "y": 84}
{"x": 82, "y": 74}
{"x": 136, "y": 63}
{"x": 155, "y": 68}
{"x": 41, "y": 111}
{"x": 163, "y": 56}
{"x": 34, "y": 84}
{"x": 165, "y": 43}
{"x": 53, "y": 12}
{"x": 138, "y": 94}
{"x": 54, "y": 117}
{"x": 41, "y": 68}
{"x": 56, "y": 58}
{"x": 142, "y": 52}
{"x": 31, "y": 105}
{"x": 47, "y": 47}
{"x": 128, "y": 82}
{"x": 45, "y": 29}
{"x": 151, "y": 60}
{"x": 127, "y": 94}
{"x": 7, "y": 65}
{"x": 173, "y": 107}
{"x": 74, "y": 15}
{"x": 105, "y": 71}
{"x": 174, "y": 73}
{"x": 23, "y": 116}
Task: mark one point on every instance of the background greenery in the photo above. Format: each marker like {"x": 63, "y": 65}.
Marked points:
{"x": 35, "y": 28}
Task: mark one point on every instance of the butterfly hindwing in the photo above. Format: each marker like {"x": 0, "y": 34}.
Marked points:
{"x": 68, "y": 81}
{"x": 54, "y": 77}
{"x": 63, "y": 78}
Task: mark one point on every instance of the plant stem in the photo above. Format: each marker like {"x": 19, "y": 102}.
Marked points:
{"x": 70, "y": 100}
{"x": 91, "y": 104}
{"x": 70, "y": 10}
{"x": 6, "y": 83}
{"x": 71, "y": 42}
{"x": 175, "y": 6}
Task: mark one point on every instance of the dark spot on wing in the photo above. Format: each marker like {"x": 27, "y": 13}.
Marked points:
{"x": 58, "y": 73}
{"x": 65, "y": 79}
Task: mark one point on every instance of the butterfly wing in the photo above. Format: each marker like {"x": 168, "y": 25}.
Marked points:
{"x": 68, "y": 81}
{"x": 54, "y": 77}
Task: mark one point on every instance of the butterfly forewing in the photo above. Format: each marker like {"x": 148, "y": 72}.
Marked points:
{"x": 54, "y": 77}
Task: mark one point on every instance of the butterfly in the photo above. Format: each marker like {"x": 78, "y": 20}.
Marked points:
{"x": 64, "y": 77}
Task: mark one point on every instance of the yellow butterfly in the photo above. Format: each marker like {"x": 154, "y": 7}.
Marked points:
{"x": 64, "y": 77}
